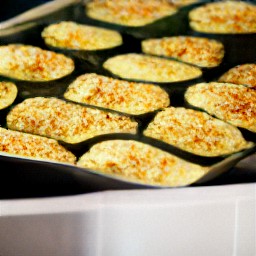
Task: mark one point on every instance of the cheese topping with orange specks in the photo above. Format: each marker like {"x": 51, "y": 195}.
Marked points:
{"x": 129, "y": 12}
{"x": 30, "y": 63}
{"x": 33, "y": 146}
{"x": 242, "y": 74}
{"x": 71, "y": 35}
{"x": 202, "y": 52}
{"x": 142, "y": 163}
{"x": 64, "y": 121}
{"x": 150, "y": 68}
{"x": 196, "y": 132}
{"x": 224, "y": 17}
{"x": 8, "y": 93}
{"x": 123, "y": 96}
{"x": 235, "y": 104}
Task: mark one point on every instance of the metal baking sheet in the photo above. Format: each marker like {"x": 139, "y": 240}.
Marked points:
{"x": 29, "y": 178}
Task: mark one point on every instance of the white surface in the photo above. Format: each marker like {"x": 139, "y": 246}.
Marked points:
{"x": 207, "y": 221}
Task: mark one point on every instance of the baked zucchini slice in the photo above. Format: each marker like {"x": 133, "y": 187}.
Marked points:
{"x": 119, "y": 95}
{"x": 196, "y": 132}
{"x": 65, "y": 121}
{"x": 8, "y": 94}
{"x": 232, "y": 23}
{"x": 235, "y": 104}
{"x": 141, "y": 67}
{"x": 84, "y": 42}
{"x": 15, "y": 143}
{"x": 35, "y": 71}
{"x": 139, "y": 162}
{"x": 141, "y": 19}
{"x": 199, "y": 51}
{"x": 242, "y": 74}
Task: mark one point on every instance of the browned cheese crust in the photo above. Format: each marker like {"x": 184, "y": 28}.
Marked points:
{"x": 235, "y": 104}
{"x": 138, "y": 162}
{"x": 64, "y": 121}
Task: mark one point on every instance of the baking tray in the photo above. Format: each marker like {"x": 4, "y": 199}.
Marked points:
{"x": 28, "y": 178}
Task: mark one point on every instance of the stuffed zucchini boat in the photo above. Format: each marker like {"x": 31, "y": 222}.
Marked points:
{"x": 89, "y": 43}
{"x": 224, "y": 17}
{"x": 232, "y": 23}
{"x": 196, "y": 132}
{"x": 34, "y": 70}
{"x": 202, "y": 52}
{"x": 141, "y": 67}
{"x": 67, "y": 122}
{"x": 242, "y": 74}
{"x": 8, "y": 94}
{"x": 139, "y": 18}
{"x": 235, "y": 104}
{"x": 139, "y": 162}
{"x": 14, "y": 143}
{"x": 119, "y": 95}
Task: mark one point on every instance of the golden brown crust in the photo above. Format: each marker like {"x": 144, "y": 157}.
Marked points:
{"x": 8, "y": 93}
{"x": 30, "y": 63}
{"x": 199, "y": 51}
{"x": 224, "y": 17}
{"x": 123, "y": 96}
{"x": 129, "y": 12}
{"x": 64, "y": 121}
{"x": 235, "y": 104}
{"x": 196, "y": 132}
{"x": 141, "y": 163}
{"x": 242, "y": 74}
{"x": 71, "y": 35}
{"x": 33, "y": 146}
{"x": 150, "y": 68}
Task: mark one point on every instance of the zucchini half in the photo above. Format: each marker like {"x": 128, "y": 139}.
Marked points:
{"x": 36, "y": 72}
{"x": 232, "y": 23}
{"x": 197, "y": 135}
{"x": 172, "y": 75}
{"x": 67, "y": 122}
{"x": 174, "y": 23}
{"x": 235, "y": 104}
{"x": 88, "y": 45}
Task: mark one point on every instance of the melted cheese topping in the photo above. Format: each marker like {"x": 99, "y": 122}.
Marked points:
{"x": 142, "y": 163}
{"x": 202, "y": 52}
{"x": 128, "y": 97}
{"x": 242, "y": 74}
{"x": 71, "y": 35}
{"x": 228, "y": 17}
{"x": 149, "y": 68}
{"x": 31, "y": 63}
{"x": 8, "y": 93}
{"x": 129, "y": 12}
{"x": 235, "y": 104}
{"x": 33, "y": 146}
{"x": 64, "y": 121}
{"x": 196, "y": 132}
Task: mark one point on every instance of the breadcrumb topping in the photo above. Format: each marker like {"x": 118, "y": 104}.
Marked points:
{"x": 202, "y": 52}
{"x": 235, "y": 104}
{"x": 196, "y": 132}
{"x": 64, "y": 121}
{"x": 150, "y": 68}
{"x": 142, "y": 163}
{"x": 30, "y": 63}
{"x": 128, "y": 97}
{"x": 71, "y": 35}
{"x": 8, "y": 93}
{"x": 228, "y": 17}
{"x": 242, "y": 74}
{"x": 33, "y": 146}
{"x": 129, "y": 12}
